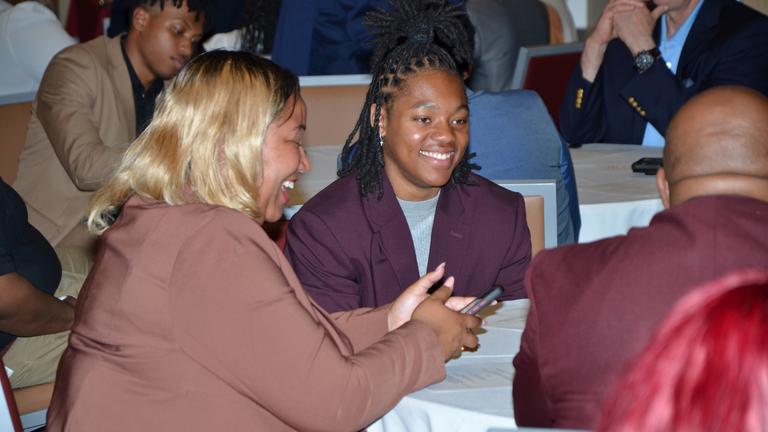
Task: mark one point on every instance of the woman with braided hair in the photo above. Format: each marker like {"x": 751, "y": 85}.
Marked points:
{"x": 407, "y": 199}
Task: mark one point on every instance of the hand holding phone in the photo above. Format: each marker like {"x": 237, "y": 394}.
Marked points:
{"x": 484, "y": 300}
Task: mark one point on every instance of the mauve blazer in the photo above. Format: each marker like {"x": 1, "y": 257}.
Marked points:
{"x": 192, "y": 320}
{"x": 594, "y": 306}
{"x": 350, "y": 251}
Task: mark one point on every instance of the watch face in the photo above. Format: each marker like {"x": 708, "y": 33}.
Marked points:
{"x": 644, "y": 61}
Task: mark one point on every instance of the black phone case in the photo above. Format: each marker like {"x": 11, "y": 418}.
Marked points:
{"x": 647, "y": 165}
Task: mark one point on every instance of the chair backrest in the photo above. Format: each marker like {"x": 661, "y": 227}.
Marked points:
{"x": 9, "y": 414}
{"x": 32, "y": 403}
{"x": 565, "y": 20}
{"x": 534, "y": 216}
{"x": 555, "y": 26}
{"x": 33, "y": 398}
{"x": 15, "y": 111}
{"x": 547, "y": 70}
{"x": 333, "y": 105}
{"x": 543, "y": 223}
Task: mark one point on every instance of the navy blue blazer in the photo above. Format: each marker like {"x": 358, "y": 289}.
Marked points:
{"x": 324, "y": 37}
{"x": 728, "y": 44}
{"x": 351, "y": 252}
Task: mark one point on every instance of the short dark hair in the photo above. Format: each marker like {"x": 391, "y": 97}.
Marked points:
{"x": 197, "y": 6}
{"x": 415, "y": 35}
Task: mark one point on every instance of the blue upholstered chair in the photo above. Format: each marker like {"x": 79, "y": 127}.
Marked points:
{"x": 514, "y": 138}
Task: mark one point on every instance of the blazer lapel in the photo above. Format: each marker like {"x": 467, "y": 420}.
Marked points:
{"x": 123, "y": 89}
{"x": 392, "y": 246}
{"x": 450, "y": 231}
{"x": 700, "y": 37}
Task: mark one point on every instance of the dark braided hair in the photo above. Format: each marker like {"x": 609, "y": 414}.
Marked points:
{"x": 416, "y": 35}
{"x": 259, "y": 24}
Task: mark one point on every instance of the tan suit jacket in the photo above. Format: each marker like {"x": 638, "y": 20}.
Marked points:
{"x": 82, "y": 120}
{"x": 193, "y": 320}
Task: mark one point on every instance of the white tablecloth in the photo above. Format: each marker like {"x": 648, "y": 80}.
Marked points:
{"x": 612, "y": 198}
{"x": 477, "y": 392}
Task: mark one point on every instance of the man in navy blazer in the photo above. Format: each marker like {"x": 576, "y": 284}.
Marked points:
{"x": 594, "y": 306}
{"x": 624, "y": 82}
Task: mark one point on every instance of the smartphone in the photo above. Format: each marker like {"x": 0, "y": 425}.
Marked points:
{"x": 647, "y": 165}
{"x": 484, "y": 300}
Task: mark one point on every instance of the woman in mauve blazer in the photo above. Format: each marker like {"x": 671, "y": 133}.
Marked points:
{"x": 352, "y": 245}
{"x": 192, "y": 320}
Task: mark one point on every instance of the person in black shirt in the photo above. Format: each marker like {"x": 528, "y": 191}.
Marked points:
{"x": 30, "y": 272}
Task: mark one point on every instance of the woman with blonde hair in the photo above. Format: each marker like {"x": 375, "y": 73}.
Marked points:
{"x": 193, "y": 320}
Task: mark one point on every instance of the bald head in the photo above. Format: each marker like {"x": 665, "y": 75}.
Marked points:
{"x": 718, "y": 144}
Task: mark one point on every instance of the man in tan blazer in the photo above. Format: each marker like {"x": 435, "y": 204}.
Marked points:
{"x": 85, "y": 113}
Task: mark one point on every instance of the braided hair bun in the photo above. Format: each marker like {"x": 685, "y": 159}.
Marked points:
{"x": 414, "y": 35}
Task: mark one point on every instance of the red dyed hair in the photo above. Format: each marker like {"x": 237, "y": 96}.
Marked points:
{"x": 706, "y": 367}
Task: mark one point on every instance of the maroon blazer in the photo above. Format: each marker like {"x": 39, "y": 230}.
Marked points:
{"x": 594, "y": 306}
{"x": 192, "y": 320}
{"x": 350, "y": 251}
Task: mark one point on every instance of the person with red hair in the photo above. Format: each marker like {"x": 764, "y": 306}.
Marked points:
{"x": 705, "y": 368}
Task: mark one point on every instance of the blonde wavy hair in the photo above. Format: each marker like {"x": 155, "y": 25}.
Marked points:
{"x": 204, "y": 142}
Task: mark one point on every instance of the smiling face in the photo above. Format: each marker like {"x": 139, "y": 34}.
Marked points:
{"x": 283, "y": 158}
{"x": 425, "y": 130}
{"x": 161, "y": 41}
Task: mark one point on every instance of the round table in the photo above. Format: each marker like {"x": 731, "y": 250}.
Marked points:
{"x": 477, "y": 392}
{"x": 612, "y": 198}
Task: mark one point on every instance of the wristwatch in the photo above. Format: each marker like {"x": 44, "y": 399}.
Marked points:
{"x": 645, "y": 59}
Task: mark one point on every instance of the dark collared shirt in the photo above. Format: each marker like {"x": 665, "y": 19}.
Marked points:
{"x": 143, "y": 101}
